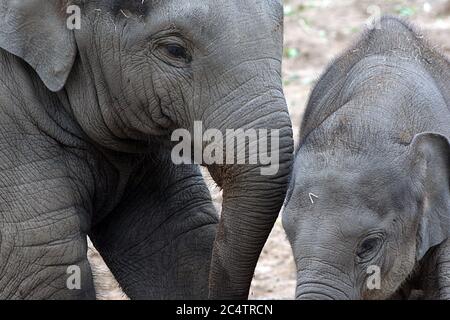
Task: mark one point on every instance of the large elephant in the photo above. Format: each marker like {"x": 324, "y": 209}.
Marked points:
{"x": 368, "y": 209}
{"x": 86, "y": 118}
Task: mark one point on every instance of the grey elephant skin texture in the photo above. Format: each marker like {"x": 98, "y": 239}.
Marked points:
{"x": 86, "y": 120}
{"x": 368, "y": 207}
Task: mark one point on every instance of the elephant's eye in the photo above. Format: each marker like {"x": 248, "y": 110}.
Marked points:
{"x": 173, "y": 53}
{"x": 172, "y": 48}
{"x": 177, "y": 51}
{"x": 369, "y": 247}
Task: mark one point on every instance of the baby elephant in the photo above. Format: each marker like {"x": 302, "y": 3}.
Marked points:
{"x": 368, "y": 210}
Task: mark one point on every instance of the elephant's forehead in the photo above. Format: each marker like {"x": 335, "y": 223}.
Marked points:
{"x": 378, "y": 188}
{"x": 220, "y": 17}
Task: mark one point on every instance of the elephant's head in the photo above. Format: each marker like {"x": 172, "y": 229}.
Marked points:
{"x": 359, "y": 225}
{"x": 138, "y": 69}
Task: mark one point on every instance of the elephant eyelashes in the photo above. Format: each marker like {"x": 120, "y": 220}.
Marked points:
{"x": 369, "y": 247}
{"x": 173, "y": 53}
{"x": 177, "y": 52}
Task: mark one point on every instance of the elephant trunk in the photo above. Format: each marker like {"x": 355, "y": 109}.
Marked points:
{"x": 252, "y": 198}
{"x": 320, "y": 279}
{"x": 313, "y": 290}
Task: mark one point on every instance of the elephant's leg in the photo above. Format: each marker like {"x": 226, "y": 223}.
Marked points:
{"x": 45, "y": 258}
{"x": 44, "y": 219}
{"x": 436, "y": 273}
{"x": 158, "y": 242}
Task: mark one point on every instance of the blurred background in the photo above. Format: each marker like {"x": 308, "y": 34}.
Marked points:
{"x": 315, "y": 32}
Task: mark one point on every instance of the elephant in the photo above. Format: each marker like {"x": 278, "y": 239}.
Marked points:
{"x": 367, "y": 212}
{"x": 91, "y": 92}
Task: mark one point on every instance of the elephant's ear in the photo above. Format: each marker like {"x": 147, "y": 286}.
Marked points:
{"x": 431, "y": 152}
{"x": 36, "y": 31}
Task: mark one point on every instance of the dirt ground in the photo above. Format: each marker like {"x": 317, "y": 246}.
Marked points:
{"x": 315, "y": 32}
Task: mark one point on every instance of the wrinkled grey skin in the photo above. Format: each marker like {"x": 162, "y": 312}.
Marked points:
{"x": 84, "y": 133}
{"x": 374, "y": 154}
